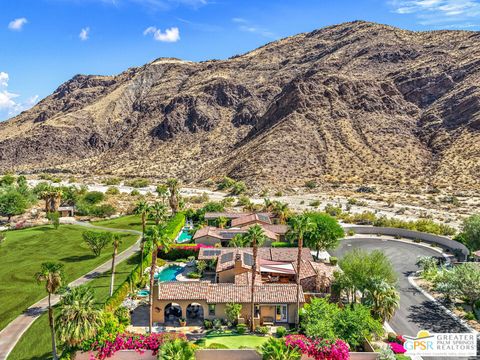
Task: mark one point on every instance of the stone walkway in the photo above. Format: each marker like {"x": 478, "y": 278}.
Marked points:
{"x": 12, "y": 333}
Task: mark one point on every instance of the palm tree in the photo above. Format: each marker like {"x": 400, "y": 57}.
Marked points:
{"x": 222, "y": 222}
{"x": 116, "y": 242}
{"x": 173, "y": 187}
{"x": 237, "y": 241}
{"x": 162, "y": 191}
{"x": 281, "y": 211}
{"x": 156, "y": 237}
{"x": 142, "y": 208}
{"x": 267, "y": 205}
{"x": 300, "y": 225}
{"x": 383, "y": 300}
{"x": 51, "y": 274}
{"x": 255, "y": 237}
{"x": 78, "y": 320}
{"x": 52, "y": 197}
{"x": 158, "y": 212}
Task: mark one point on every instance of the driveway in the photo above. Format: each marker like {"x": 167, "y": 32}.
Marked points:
{"x": 416, "y": 311}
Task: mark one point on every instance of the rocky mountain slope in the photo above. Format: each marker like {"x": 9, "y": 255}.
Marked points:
{"x": 356, "y": 102}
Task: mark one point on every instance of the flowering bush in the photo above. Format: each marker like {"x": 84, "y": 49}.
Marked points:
{"x": 400, "y": 340}
{"x": 135, "y": 342}
{"x": 182, "y": 251}
{"x": 397, "y": 348}
{"x": 319, "y": 349}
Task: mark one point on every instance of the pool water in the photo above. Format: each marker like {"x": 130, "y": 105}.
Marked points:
{"x": 143, "y": 293}
{"x": 169, "y": 274}
{"x": 184, "y": 236}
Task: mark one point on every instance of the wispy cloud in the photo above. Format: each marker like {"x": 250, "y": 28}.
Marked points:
{"x": 9, "y": 104}
{"x": 456, "y": 13}
{"x": 170, "y": 35}
{"x": 246, "y": 26}
{"x": 84, "y": 34}
{"x": 17, "y": 24}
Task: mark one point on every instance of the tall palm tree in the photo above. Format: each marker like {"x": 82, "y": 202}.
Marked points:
{"x": 237, "y": 241}
{"x": 300, "y": 225}
{"x": 79, "y": 319}
{"x": 51, "y": 274}
{"x": 116, "y": 242}
{"x": 268, "y": 205}
{"x": 142, "y": 208}
{"x": 173, "y": 188}
{"x": 162, "y": 191}
{"x": 281, "y": 211}
{"x": 255, "y": 237}
{"x": 383, "y": 300}
{"x": 158, "y": 211}
{"x": 52, "y": 197}
{"x": 156, "y": 237}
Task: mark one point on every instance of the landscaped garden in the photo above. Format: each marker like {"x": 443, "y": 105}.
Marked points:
{"x": 132, "y": 222}
{"x": 22, "y": 253}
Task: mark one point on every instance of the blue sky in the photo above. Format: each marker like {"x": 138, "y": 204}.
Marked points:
{"x": 46, "y": 42}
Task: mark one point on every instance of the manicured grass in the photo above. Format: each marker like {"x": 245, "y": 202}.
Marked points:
{"x": 236, "y": 341}
{"x": 22, "y": 253}
{"x": 36, "y": 343}
{"x": 133, "y": 222}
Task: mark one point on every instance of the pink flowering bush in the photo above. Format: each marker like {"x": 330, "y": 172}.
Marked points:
{"x": 139, "y": 343}
{"x": 319, "y": 349}
{"x": 397, "y": 348}
{"x": 179, "y": 251}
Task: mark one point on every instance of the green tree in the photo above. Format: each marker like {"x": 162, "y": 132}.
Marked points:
{"x": 222, "y": 222}
{"x": 116, "y": 242}
{"x": 162, "y": 192}
{"x": 96, "y": 241}
{"x": 177, "y": 349}
{"x": 299, "y": 226}
{"x": 471, "y": 232}
{"x": 232, "y": 311}
{"x": 142, "y": 208}
{"x": 79, "y": 319}
{"x": 157, "y": 212}
{"x": 463, "y": 280}
{"x": 255, "y": 237}
{"x": 156, "y": 237}
{"x": 281, "y": 211}
{"x": 201, "y": 266}
{"x": 52, "y": 275}
{"x": 382, "y": 299}
{"x": 173, "y": 189}
{"x": 276, "y": 349}
{"x": 237, "y": 241}
{"x": 12, "y": 203}
{"x": 325, "y": 234}
{"x": 54, "y": 218}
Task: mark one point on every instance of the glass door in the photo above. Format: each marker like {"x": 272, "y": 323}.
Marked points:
{"x": 281, "y": 313}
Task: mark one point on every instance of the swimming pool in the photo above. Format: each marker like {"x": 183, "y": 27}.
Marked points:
{"x": 184, "y": 236}
{"x": 169, "y": 273}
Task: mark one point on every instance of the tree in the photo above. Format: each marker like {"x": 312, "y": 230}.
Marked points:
{"x": 382, "y": 299}
{"x": 142, "y": 208}
{"x": 52, "y": 197}
{"x": 464, "y": 280}
{"x": 162, "y": 192}
{"x": 300, "y": 225}
{"x": 12, "y": 203}
{"x": 471, "y": 232}
{"x": 79, "y": 319}
{"x": 281, "y": 211}
{"x": 276, "y": 349}
{"x": 173, "y": 188}
{"x": 96, "y": 241}
{"x": 156, "y": 237}
{"x": 267, "y": 205}
{"x": 116, "y": 242}
{"x": 54, "y": 217}
{"x": 222, "y": 222}
{"x": 52, "y": 275}
{"x": 232, "y": 310}
{"x": 201, "y": 266}
{"x": 325, "y": 234}
{"x": 255, "y": 237}
{"x": 237, "y": 241}
{"x": 157, "y": 212}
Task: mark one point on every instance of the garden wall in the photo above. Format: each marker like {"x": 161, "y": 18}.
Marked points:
{"x": 253, "y": 355}
{"x": 442, "y": 241}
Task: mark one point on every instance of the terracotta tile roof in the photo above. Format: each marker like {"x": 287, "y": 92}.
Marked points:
{"x": 225, "y": 293}
{"x": 245, "y": 278}
{"x": 268, "y": 233}
{"x": 324, "y": 269}
{"x": 258, "y": 218}
{"x": 228, "y": 234}
{"x": 276, "y": 228}
{"x": 229, "y": 215}
{"x": 206, "y": 231}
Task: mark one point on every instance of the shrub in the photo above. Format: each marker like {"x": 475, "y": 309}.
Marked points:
{"x": 318, "y": 349}
{"x": 217, "y": 346}
{"x": 226, "y": 183}
{"x": 350, "y": 232}
{"x": 366, "y": 189}
{"x": 311, "y": 184}
{"x": 387, "y": 354}
{"x": 241, "y": 329}
{"x": 469, "y": 316}
{"x": 277, "y": 349}
{"x": 232, "y": 311}
{"x": 238, "y": 188}
{"x": 54, "y": 218}
{"x": 261, "y": 330}
{"x": 137, "y": 183}
{"x": 278, "y": 194}
{"x": 333, "y": 260}
{"x": 207, "y": 324}
{"x": 281, "y": 331}
{"x": 333, "y": 210}
{"x": 194, "y": 275}
{"x": 112, "y": 181}
{"x": 315, "y": 203}
{"x": 123, "y": 315}
{"x": 280, "y": 244}
{"x": 397, "y": 348}
{"x": 112, "y": 190}
{"x": 134, "y": 192}
{"x": 93, "y": 197}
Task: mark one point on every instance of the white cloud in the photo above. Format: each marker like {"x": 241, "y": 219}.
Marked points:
{"x": 9, "y": 106}
{"x": 84, "y": 34}
{"x": 246, "y": 26}
{"x": 170, "y": 35}
{"x": 17, "y": 24}
{"x": 431, "y": 12}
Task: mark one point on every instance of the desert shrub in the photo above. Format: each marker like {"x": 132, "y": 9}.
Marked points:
{"x": 278, "y": 194}
{"x": 243, "y": 200}
{"x": 366, "y": 189}
{"x": 112, "y": 181}
{"x": 138, "y": 183}
{"x": 311, "y": 184}
{"x": 225, "y": 183}
{"x": 238, "y": 188}
{"x": 315, "y": 203}
{"x": 93, "y": 197}
{"x": 350, "y": 232}
{"x": 134, "y": 192}
{"x": 333, "y": 210}
{"x": 112, "y": 190}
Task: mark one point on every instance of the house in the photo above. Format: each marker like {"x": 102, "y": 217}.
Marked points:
{"x": 66, "y": 211}
{"x": 275, "y": 287}
{"x": 211, "y": 217}
{"x": 476, "y": 255}
{"x": 210, "y": 235}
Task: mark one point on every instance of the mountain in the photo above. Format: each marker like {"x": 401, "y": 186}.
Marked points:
{"x": 355, "y": 102}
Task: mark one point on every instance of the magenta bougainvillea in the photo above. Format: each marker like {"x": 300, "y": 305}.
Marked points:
{"x": 139, "y": 343}
{"x": 397, "y": 348}
{"x": 319, "y": 349}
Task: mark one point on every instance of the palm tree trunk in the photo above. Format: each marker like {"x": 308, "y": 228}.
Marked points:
{"x": 51, "y": 321}
{"x": 112, "y": 281}
{"x": 142, "y": 244}
{"x": 299, "y": 264}
{"x": 252, "y": 298}
{"x": 152, "y": 280}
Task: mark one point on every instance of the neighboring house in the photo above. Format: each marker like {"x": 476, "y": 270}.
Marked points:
{"x": 210, "y": 235}
{"x": 275, "y": 293}
{"x": 211, "y": 217}
{"x": 66, "y": 211}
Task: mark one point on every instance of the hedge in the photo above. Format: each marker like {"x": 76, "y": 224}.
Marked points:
{"x": 281, "y": 244}
{"x": 174, "y": 226}
{"x": 182, "y": 251}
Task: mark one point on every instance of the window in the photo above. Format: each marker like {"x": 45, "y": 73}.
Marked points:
{"x": 281, "y": 313}
{"x": 257, "y": 311}
{"x": 211, "y": 309}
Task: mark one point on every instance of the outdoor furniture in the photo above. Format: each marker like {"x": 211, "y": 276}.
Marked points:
{"x": 267, "y": 321}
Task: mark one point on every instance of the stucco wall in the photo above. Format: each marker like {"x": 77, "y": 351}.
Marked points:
{"x": 442, "y": 241}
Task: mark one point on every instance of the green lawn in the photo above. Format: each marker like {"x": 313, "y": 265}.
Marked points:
{"x": 133, "y": 222}
{"x": 236, "y": 341}
{"x": 35, "y": 344}
{"x": 22, "y": 253}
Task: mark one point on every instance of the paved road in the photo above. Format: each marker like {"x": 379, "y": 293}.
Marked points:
{"x": 416, "y": 311}
{"x": 10, "y": 335}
